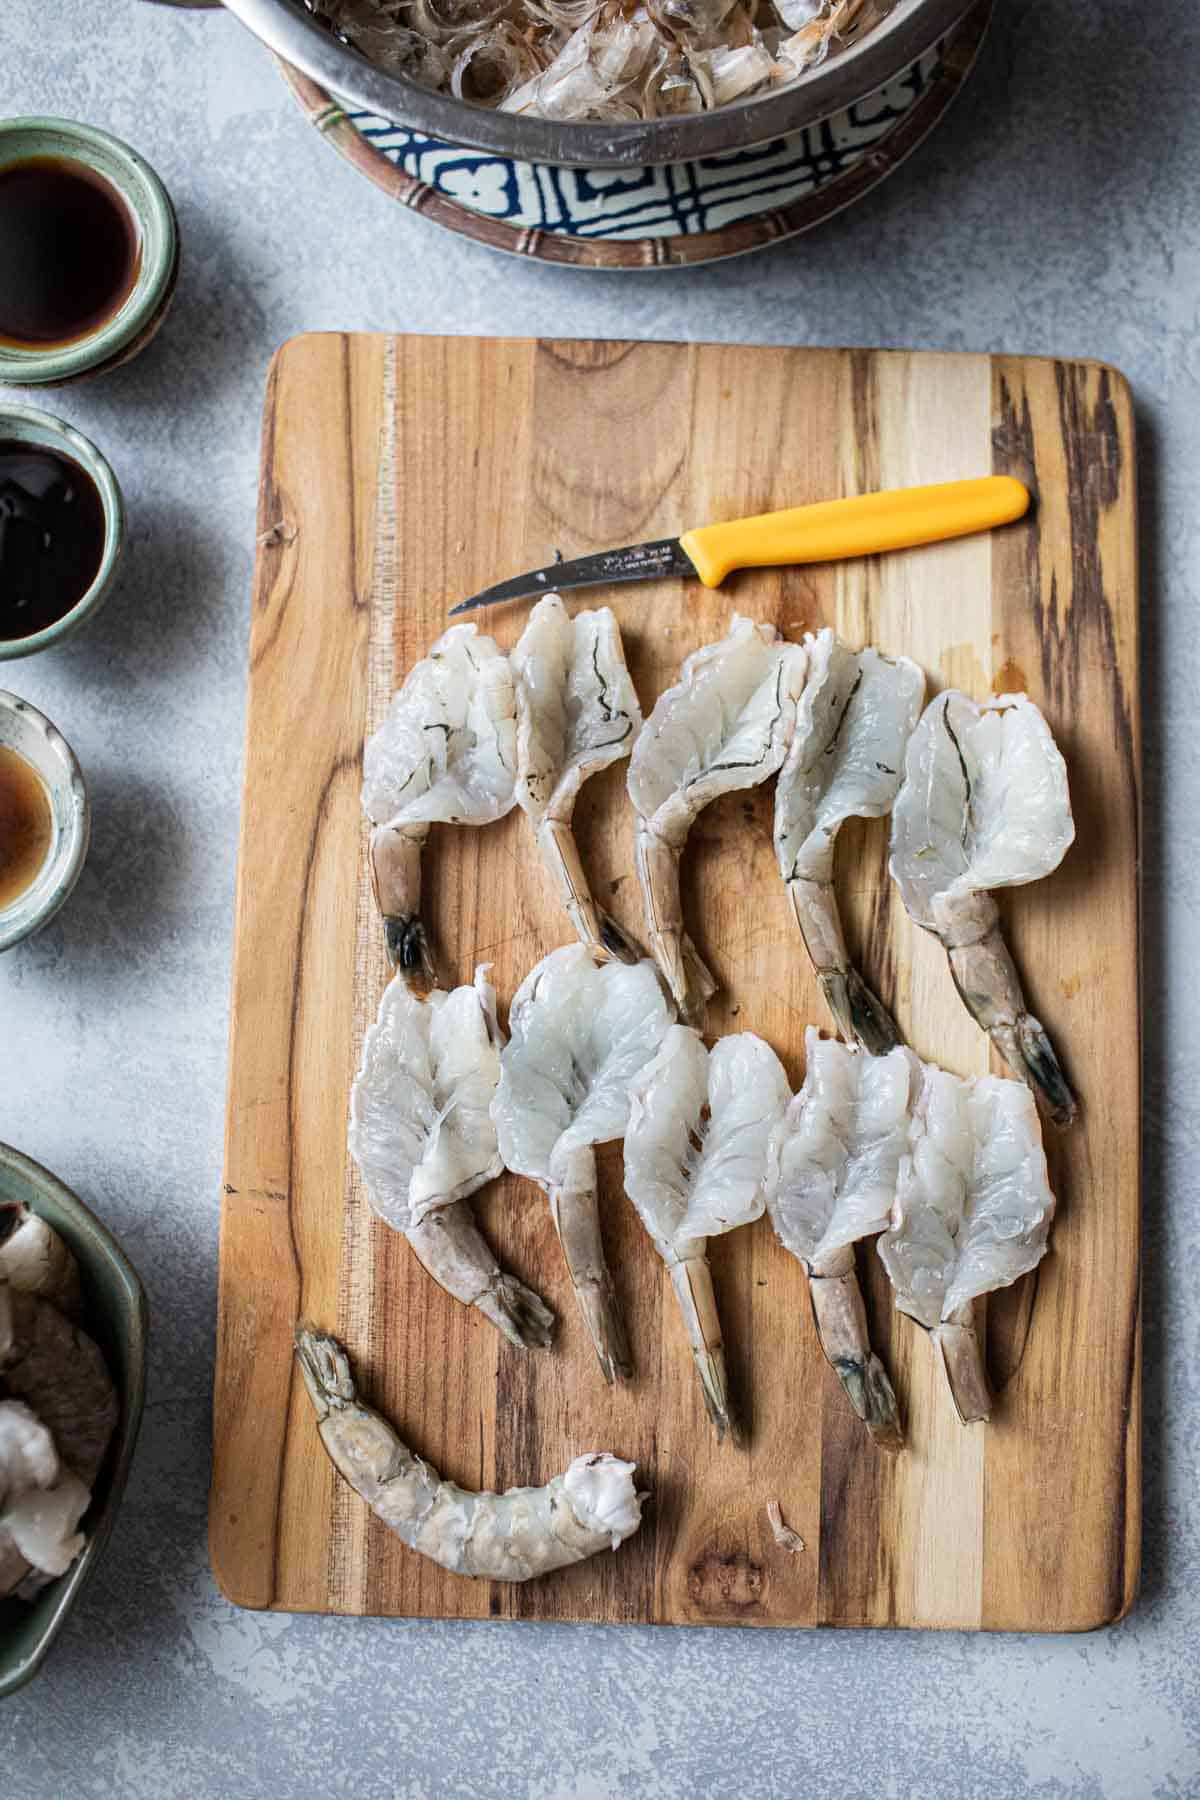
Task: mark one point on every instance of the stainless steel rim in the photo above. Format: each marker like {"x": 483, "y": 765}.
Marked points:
{"x": 293, "y": 34}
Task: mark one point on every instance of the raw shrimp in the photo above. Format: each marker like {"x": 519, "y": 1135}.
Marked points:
{"x": 445, "y": 751}
{"x": 577, "y": 712}
{"x": 582, "y": 1029}
{"x": 725, "y": 726}
{"x": 855, "y": 716}
{"x": 984, "y": 805}
{"x": 695, "y": 1163}
{"x": 502, "y": 1537}
{"x": 972, "y": 1212}
{"x": 36, "y": 1259}
{"x": 422, "y": 1136}
{"x": 831, "y": 1181}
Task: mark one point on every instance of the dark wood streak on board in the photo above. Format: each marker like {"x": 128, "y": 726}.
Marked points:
{"x": 1092, "y": 439}
{"x": 1092, "y": 444}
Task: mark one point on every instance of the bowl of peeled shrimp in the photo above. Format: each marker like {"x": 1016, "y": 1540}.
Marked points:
{"x": 72, "y": 1379}
{"x": 600, "y": 83}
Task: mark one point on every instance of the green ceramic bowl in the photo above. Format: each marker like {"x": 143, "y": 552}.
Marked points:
{"x": 136, "y": 321}
{"x": 29, "y": 426}
{"x": 115, "y": 1315}
{"x": 30, "y": 734}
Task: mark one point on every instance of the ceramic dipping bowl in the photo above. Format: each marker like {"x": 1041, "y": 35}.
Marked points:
{"x": 27, "y": 731}
{"x": 114, "y": 1314}
{"x": 141, "y": 313}
{"x": 28, "y": 425}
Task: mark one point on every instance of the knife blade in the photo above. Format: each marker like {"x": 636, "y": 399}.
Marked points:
{"x": 827, "y": 531}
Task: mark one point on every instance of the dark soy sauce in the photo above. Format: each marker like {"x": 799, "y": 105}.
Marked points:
{"x": 52, "y": 533}
{"x": 26, "y": 825}
{"x": 69, "y": 252}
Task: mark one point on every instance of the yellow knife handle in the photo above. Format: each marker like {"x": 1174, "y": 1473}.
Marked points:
{"x": 859, "y": 526}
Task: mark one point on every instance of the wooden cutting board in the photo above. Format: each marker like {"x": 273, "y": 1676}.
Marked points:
{"x": 402, "y": 473}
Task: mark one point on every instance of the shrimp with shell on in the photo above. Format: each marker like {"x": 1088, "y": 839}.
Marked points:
{"x": 846, "y": 761}
{"x": 725, "y": 726}
{"x": 513, "y": 1536}
{"x": 422, "y": 1135}
{"x": 577, "y": 712}
{"x": 984, "y": 805}
{"x": 446, "y": 751}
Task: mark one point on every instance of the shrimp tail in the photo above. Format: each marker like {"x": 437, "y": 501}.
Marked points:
{"x": 958, "y": 1345}
{"x": 691, "y": 983}
{"x": 575, "y": 1210}
{"x": 860, "y": 1016}
{"x": 986, "y": 977}
{"x": 325, "y": 1369}
{"x": 841, "y": 1321}
{"x": 450, "y": 1246}
{"x": 396, "y": 880}
{"x": 593, "y": 926}
{"x": 1028, "y": 1051}
{"x": 692, "y": 1281}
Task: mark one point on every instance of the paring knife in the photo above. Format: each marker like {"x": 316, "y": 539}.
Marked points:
{"x": 826, "y": 532}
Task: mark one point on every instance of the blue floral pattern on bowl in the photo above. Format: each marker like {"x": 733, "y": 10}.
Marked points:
{"x": 684, "y": 198}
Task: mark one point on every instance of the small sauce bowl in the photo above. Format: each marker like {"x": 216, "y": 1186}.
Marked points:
{"x": 30, "y": 734}
{"x": 26, "y": 425}
{"x": 118, "y": 338}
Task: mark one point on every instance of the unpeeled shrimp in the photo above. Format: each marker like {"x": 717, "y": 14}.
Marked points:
{"x": 513, "y": 1536}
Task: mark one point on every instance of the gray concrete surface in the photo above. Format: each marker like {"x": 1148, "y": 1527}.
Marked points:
{"x": 1055, "y": 211}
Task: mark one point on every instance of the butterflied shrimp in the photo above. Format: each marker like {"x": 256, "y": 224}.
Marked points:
{"x": 846, "y": 761}
{"x": 514, "y": 1536}
{"x": 972, "y": 1212}
{"x": 577, "y": 712}
{"x": 831, "y": 1182}
{"x": 422, "y": 1135}
{"x": 725, "y": 726}
{"x": 695, "y": 1163}
{"x": 582, "y": 1028}
{"x": 446, "y": 751}
{"x": 984, "y": 805}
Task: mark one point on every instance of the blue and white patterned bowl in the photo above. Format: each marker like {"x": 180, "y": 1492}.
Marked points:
{"x": 657, "y": 217}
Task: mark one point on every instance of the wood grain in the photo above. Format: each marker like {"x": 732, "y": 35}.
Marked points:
{"x": 399, "y": 474}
